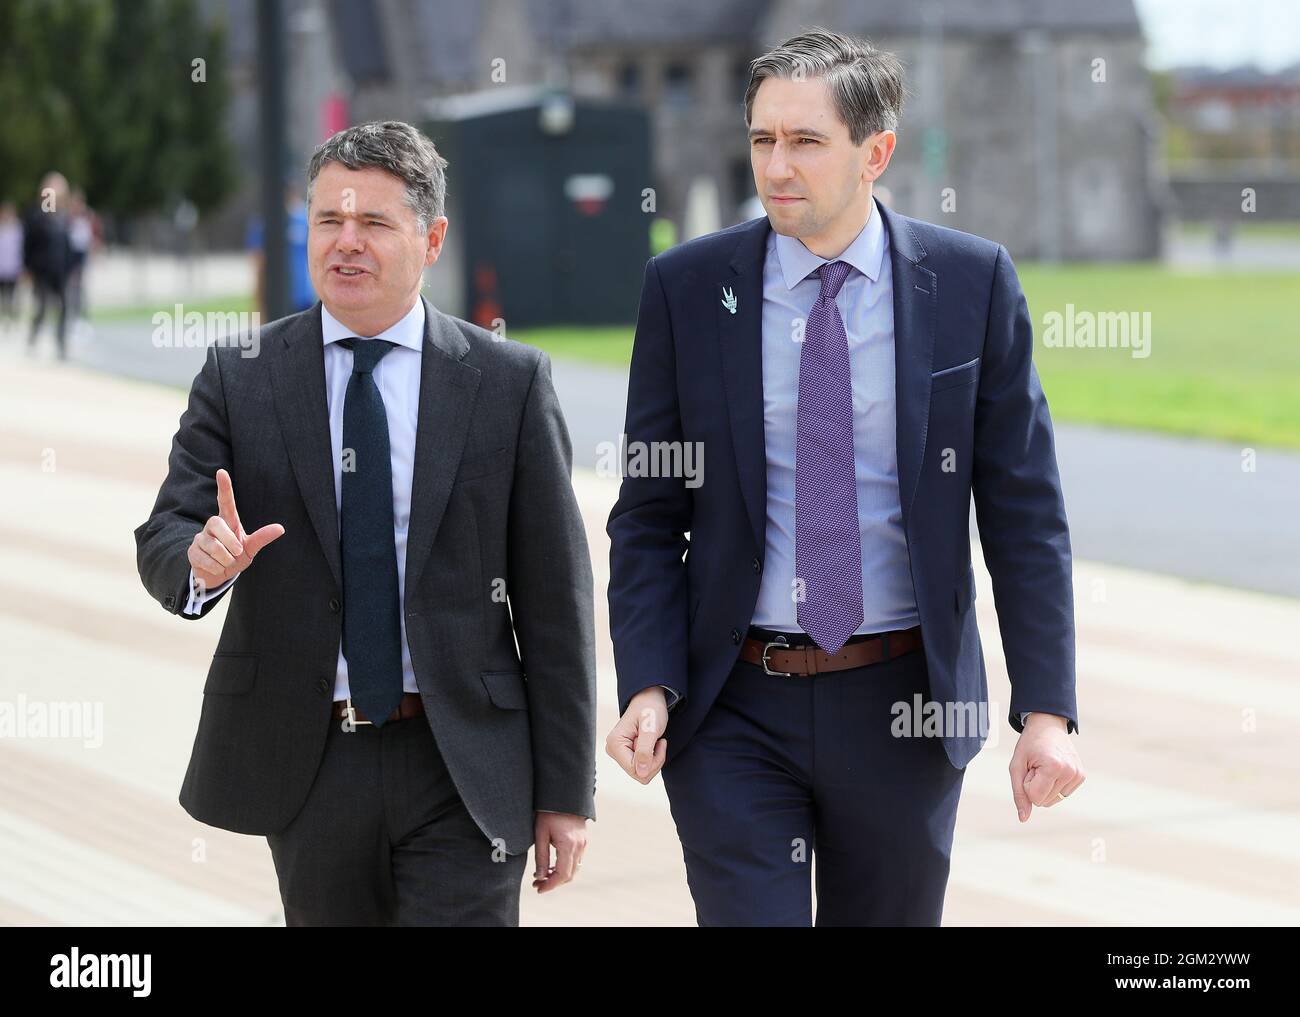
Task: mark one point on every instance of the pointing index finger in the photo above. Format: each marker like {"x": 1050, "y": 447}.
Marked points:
{"x": 226, "y": 501}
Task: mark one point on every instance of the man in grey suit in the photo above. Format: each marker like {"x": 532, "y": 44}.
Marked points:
{"x": 404, "y": 477}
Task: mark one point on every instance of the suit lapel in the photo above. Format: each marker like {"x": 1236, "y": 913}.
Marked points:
{"x": 448, "y": 388}
{"x": 447, "y": 392}
{"x": 740, "y": 338}
{"x": 298, "y": 382}
{"x": 915, "y": 308}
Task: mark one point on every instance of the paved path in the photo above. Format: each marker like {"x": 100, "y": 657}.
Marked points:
{"x": 1190, "y": 816}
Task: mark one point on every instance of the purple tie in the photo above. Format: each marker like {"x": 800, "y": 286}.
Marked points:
{"x": 827, "y": 542}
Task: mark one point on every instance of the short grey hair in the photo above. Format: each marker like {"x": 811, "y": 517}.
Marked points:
{"x": 396, "y": 147}
{"x": 866, "y": 83}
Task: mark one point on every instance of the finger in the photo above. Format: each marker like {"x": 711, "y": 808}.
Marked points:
{"x": 206, "y": 570}
{"x": 1042, "y": 787}
{"x": 624, "y": 751}
{"x": 217, "y": 551}
{"x": 647, "y": 733}
{"x": 258, "y": 539}
{"x": 542, "y": 855}
{"x": 620, "y": 746}
{"x": 565, "y": 862}
{"x": 1070, "y": 784}
{"x": 226, "y": 501}
{"x": 218, "y": 529}
{"x": 656, "y": 762}
{"x": 1023, "y": 806}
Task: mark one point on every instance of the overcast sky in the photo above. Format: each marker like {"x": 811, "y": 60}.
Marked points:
{"x": 1221, "y": 33}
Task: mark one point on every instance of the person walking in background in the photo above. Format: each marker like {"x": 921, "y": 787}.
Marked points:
{"x": 11, "y": 261}
{"x": 47, "y": 256}
{"x": 83, "y": 236}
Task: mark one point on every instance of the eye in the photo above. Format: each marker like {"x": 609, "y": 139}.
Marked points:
{"x": 810, "y": 141}
{"x": 761, "y": 141}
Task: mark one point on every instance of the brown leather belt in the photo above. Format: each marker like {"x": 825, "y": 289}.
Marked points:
{"x": 800, "y": 661}
{"x": 410, "y": 706}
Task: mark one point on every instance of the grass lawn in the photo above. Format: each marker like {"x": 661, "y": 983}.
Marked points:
{"x": 1224, "y": 350}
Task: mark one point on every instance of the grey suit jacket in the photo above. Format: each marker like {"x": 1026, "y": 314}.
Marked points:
{"x": 492, "y": 509}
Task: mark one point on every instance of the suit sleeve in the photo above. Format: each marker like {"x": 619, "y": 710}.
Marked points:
{"x": 648, "y": 524}
{"x": 551, "y": 593}
{"x": 1020, "y": 511}
{"x": 188, "y": 495}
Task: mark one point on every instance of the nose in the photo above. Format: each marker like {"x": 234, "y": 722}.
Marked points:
{"x": 349, "y": 238}
{"x": 778, "y": 165}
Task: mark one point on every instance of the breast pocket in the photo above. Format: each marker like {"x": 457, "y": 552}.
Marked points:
{"x": 954, "y": 377}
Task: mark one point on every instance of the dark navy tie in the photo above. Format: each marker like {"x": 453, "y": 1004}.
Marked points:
{"x": 827, "y": 540}
{"x": 372, "y": 634}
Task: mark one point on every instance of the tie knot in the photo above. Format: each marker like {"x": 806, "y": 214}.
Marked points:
{"x": 366, "y": 353}
{"x": 833, "y": 274}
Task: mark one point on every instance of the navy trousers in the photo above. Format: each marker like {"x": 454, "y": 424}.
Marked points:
{"x": 783, "y": 770}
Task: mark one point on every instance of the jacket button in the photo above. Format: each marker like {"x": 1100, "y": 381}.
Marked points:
{"x": 323, "y": 686}
{"x": 334, "y": 604}
{"x": 735, "y": 636}
{"x": 758, "y": 565}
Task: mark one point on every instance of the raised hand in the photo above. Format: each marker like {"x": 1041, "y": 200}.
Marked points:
{"x": 222, "y": 550}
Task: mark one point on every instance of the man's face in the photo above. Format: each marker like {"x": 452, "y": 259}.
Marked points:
{"x": 807, "y": 172}
{"x": 365, "y": 249}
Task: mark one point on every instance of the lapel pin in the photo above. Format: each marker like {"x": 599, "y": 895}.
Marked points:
{"x": 729, "y": 300}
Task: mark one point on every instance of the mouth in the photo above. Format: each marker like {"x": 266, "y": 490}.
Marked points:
{"x": 783, "y": 199}
{"x": 348, "y": 271}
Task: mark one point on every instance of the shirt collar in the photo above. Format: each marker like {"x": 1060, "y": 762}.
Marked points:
{"x": 865, "y": 253}
{"x": 407, "y": 331}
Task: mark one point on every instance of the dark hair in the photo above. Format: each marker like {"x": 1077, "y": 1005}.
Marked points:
{"x": 393, "y": 146}
{"x": 866, "y": 83}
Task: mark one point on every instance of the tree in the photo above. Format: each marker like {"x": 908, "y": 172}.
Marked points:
{"x": 109, "y": 95}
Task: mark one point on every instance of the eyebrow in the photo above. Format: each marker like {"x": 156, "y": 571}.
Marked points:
{"x": 802, "y": 131}
{"x": 363, "y": 215}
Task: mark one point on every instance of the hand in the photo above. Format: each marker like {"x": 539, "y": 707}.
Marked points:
{"x": 1044, "y": 765}
{"x": 634, "y": 742}
{"x": 222, "y": 550}
{"x": 569, "y": 835}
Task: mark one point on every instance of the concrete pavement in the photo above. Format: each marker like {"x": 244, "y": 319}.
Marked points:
{"x": 1188, "y": 698}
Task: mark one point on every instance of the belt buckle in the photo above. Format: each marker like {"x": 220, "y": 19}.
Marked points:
{"x": 779, "y": 641}
{"x": 350, "y": 721}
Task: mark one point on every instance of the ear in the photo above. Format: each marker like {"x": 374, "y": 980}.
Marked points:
{"x": 881, "y": 145}
{"x": 437, "y": 234}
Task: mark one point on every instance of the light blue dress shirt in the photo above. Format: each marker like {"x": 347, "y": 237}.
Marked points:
{"x": 398, "y": 377}
{"x": 865, "y": 301}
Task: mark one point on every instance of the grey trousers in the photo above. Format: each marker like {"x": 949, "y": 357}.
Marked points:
{"x": 384, "y": 839}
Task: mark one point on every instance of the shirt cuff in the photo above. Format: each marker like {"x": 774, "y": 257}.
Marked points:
{"x": 674, "y": 697}
{"x": 197, "y": 599}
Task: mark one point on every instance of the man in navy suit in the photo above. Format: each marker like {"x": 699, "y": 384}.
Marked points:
{"x": 793, "y": 624}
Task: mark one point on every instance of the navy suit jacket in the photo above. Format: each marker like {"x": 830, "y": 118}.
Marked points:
{"x": 686, "y": 562}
